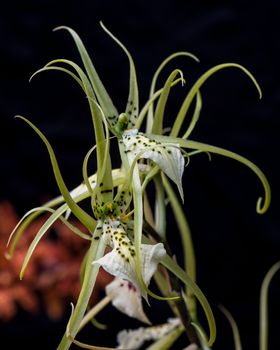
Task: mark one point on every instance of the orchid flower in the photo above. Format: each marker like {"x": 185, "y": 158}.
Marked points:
{"x": 134, "y": 339}
{"x": 121, "y": 217}
{"x": 120, "y": 261}
{"x": 167, "y": 156}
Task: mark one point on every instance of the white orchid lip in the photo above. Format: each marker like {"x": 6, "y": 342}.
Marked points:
{"x": 126, "y": 298}
{"x": 120, "y": 261}
{"x": 135, "y": 338}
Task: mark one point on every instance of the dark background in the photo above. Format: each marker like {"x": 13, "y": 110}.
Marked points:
{"x": 234, "y": 245}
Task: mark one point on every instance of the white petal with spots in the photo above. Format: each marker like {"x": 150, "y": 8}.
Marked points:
{"x": 126, "y": 298}
{"x": 134, "y": 339}
{"x": 167, "y": 156}
{"x": 120, "y": 262}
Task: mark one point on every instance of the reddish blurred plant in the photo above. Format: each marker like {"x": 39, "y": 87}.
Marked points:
{"x": 52, "y": 279}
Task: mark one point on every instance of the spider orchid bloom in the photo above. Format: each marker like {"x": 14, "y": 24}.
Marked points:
{"x": 134, "y": 339}
{"x": 126, "y": 298}
{"x": 120, "y": 262}
{"x": 135, "y": 263}
{"x": 167, "y": 156}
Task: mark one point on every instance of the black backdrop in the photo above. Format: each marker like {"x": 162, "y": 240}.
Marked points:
{"x": 234, "y": 245}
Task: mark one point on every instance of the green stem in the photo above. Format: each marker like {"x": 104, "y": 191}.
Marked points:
{"x": 96, "y": 250}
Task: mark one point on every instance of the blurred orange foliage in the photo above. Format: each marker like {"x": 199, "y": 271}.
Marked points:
{"x": 52, "y": 278}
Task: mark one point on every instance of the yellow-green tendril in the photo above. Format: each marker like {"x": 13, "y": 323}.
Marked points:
{"x": 171, "y": 265}
{"x": 262, "y": 204}
{"x": 235, "y": 331}
{"x": 86, "y": 219}
{"x": 154, "y": 81}
{"x": 264, "y": 306}
{"x": 196, "y": 87}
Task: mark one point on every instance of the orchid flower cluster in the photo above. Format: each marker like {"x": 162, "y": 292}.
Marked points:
{"x": 125, "y": 236}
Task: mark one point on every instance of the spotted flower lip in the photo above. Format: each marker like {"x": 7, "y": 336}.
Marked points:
{"x": 126, "y": 298}
{"x": 120, "y": 262}
{"x": 167, "y": 156}
{"x": 134, "y": 339}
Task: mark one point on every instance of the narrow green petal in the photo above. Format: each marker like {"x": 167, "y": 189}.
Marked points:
{"x": 160, "y": 109}
{"x": 262, "y": 204}
{"x": 86, "y": 219}
{"x": 90, "y": 347}
{"x": 160, "y": 208}
{"x": 155, "y": 78}
{"x": 234, "y": 327}
{"x": 187, "y": 243}
{"x": 85, "y": 173}
{"x": 98, "y": 117}
{"x": 21, "y": 226}
{"x": 132, "y": 107}
{"x": 138, "y": 224}
{"x": 196, "y": 87}
{"x": 172, "y": 266}
{"x": 264, "y": 306}
{"x": 57, "y": 68}
{"x": 151, "y": 174}
{"x": 104, "y": 99}
{"x": 202, "y": 335}
{"x": 195, "y": 117}
{"x": 149, "y": 103}
{"x": 95, "y": 110}
{"x": 96, "y": 251}
{"x": 105, "y": 174}
{"x": 49, "y": 222}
